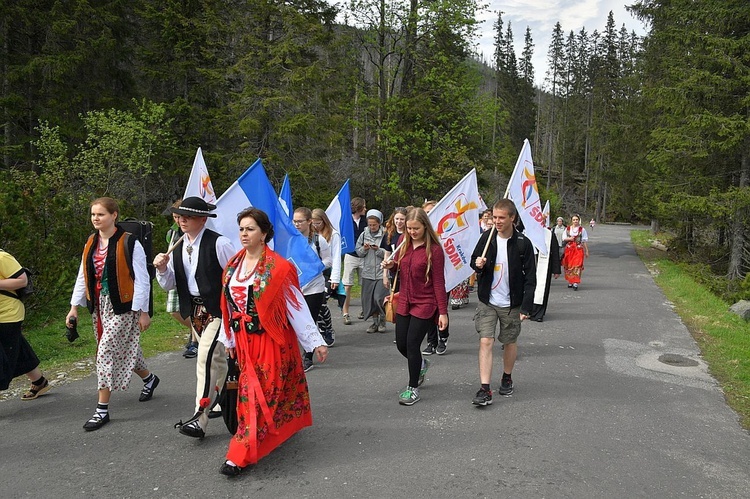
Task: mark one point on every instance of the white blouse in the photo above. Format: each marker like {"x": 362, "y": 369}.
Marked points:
{"x": 305, "y": 327}
{"x": 142, "y": 289}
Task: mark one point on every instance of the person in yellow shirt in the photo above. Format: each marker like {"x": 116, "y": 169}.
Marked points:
{"x": 19, "y": 356}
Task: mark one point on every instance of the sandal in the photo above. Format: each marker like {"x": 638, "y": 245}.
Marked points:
{"x": 36, "y": 391}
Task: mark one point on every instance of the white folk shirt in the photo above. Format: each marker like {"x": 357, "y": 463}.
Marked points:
{"x": 500, "y": 292}
{"x": 142, "y": 283}
{"x": 224, "y": 251}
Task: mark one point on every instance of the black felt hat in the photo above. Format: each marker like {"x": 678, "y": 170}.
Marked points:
{"x": 194, "y": 207}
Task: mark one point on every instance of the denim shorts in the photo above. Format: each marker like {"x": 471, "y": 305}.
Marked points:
{"x": 487, "y": 317}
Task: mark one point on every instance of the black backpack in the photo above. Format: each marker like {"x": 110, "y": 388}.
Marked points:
{"x": 143, "y": 232}
{"x": 24, "y": 292}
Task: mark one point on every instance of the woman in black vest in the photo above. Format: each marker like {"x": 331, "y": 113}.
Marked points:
{"x": 113, "y": 283}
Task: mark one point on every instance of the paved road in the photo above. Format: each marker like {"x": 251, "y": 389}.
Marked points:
{"x": 595, "y": 414}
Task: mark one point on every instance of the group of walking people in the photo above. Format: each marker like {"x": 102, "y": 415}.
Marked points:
{"x": 249, "y": 306}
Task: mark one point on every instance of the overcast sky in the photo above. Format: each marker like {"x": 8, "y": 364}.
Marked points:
{"x": 541, "y": 16}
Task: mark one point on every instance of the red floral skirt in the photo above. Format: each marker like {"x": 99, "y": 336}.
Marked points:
{"x": 273, "y": 402}
{"x": 573, "y": 263}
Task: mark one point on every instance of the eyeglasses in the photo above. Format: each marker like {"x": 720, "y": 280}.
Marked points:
{"x": 317, "y": 221}
{"x": 297, "y": 222}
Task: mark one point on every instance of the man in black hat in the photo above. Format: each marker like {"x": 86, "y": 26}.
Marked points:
{"x": 195, "y": 271}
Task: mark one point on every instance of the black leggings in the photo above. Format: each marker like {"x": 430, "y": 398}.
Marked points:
{"x": 410, "y": 331}
{"x": 325, "y": 323}
{"x": 434, "y": 333}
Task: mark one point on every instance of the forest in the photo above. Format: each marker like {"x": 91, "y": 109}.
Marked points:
{"x": 113, "y": 97}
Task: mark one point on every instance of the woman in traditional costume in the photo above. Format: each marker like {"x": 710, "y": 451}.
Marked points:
{"x": 265, "y": 316}
{"x": 113, "y": 283}
{"x": 576, "y": 249}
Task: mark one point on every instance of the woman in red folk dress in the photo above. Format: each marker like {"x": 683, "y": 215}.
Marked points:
{"x": 576, "y": 248}
{"x": 264, "y": 316}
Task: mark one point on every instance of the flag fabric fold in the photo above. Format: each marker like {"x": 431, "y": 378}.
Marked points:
{"x": 285, "y": 196}
{"x": 545, "y": 212}
{"x": 339, "y": 213}
{"x": 455, "y": 219}
{"x": 254, "y": 189}
{"x": 522, "y": 189}
{"x": 199, "y": 183}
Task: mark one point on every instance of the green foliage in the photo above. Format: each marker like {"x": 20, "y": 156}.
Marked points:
{"x": 45, "y": 329}
{"x": 724, "y": 338}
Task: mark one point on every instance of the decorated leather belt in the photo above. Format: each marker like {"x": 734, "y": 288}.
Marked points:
{"x": 245, "y": 322}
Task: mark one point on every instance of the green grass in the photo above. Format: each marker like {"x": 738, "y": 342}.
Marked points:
{"x": 723, "y": 337}
{"x": 44, "y": 327}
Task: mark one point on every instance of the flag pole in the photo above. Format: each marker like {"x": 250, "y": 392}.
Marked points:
{"x": 172, "y": 247}
{"x": 489, "y": 238}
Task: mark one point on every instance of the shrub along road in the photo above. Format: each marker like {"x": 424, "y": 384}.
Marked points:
{"x": 595, "y": 414}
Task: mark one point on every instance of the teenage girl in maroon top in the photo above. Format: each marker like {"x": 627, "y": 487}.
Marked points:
{"x": 422, "y": 300}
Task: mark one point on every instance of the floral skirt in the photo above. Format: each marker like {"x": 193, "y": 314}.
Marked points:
{"x": 118, "y": 352}
{"x": 273, "y": 402}
{"x": 573, "y": 263}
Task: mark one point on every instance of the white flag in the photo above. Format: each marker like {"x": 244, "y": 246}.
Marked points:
{"x": 199, "y": 183}
{"x": 456, "y": 221}
{"x": 522, "y": 189}
{"x": 545, "y": 211}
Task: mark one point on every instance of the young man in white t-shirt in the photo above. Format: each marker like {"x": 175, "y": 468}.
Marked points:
{"x": 506, "y": 278}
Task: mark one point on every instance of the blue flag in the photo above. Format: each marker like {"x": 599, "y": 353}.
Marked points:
{"x": 285, "y": 196}
{"x": 340, "y": 214}
{"x": 254, "y": 189}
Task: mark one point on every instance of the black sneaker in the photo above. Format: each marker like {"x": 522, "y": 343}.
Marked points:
{"x": 191, "y": 351}
{"x": 483, "y": 397}
{"x": 307, "y": 364}
{"x": 429, "y": 349}
{"x": 441, "y": 348}
{"x": 506, "y": 387}
{"x": 329, "y": 338}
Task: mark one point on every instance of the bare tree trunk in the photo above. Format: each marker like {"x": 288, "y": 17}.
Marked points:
{"x": 407, "y": 82}
{"x": 736, "y": 269}
{"x": 4, "y": 93}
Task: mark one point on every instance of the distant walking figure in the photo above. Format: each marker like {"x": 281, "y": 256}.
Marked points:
{"x": 576, "y": 249}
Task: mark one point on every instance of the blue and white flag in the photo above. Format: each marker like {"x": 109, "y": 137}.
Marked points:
{"x": 339, "y": 213}
{"x": 285, "y": 196}
{"x": 254, "y": 189}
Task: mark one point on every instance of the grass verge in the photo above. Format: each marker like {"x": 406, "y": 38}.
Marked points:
{"x": 62, "y": 361}
{"x": 723, "y": 338}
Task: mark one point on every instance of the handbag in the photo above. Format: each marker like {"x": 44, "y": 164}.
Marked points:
{"x": 228, "y": 396}
{"x": 392, "y": 304}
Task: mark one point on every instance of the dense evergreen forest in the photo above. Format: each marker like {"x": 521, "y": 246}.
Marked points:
{"x": 113, "y": 97}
